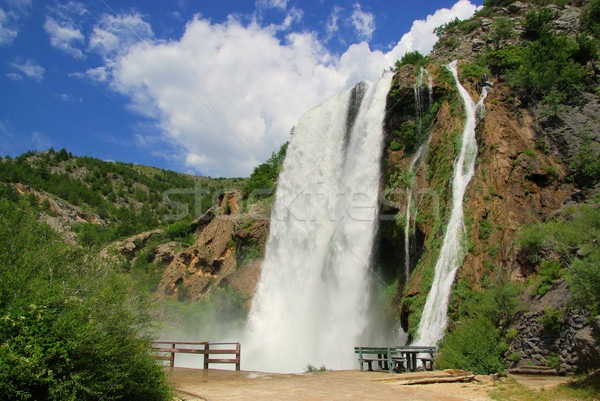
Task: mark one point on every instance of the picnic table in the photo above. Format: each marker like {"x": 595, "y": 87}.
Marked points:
{"x": 395, "y": 359}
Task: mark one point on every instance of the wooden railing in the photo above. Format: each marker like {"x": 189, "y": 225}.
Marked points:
{"x": 167, "y": 349}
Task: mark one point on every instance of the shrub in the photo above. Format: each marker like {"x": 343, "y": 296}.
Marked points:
{"x": 584, "y": 279}
{"x": 261, "y": 183}
{"x": 537, "y": 23}
{"x": 552, "y": 319}
{"x": 473, "y": 345}
{"x": 71, "y": 329}
{"x": 313, "y": 369}
{"x": 550, "y": 271}
{"x": 415, "y": 58}
{"x": 501, "y": 29}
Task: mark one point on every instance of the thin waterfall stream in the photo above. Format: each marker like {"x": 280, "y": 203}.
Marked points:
{"x": 434, "y": 318}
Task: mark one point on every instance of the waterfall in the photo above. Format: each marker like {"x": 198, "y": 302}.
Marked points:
{"x": 414, "y": 165}
{"x": 311, "y": 304}
{"x": 434, "y": 318}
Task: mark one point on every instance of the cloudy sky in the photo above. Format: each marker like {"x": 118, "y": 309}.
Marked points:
{"x": 204, "y": 87}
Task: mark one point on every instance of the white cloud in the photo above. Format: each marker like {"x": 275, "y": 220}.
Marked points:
{"x": 421, "y": 36}
{"x": 40, "y": 140}
{"x": 22, "y": 6}
{"x": 63, "y": 28}
{"x": 8, "y": 29}
{"x": 14, "y": 76}
{"x": 332, "y": 26}
{"x": 281, "y": 4}
{"x": 65, "y": 97}
{"x": 115, "y": 34}
{"x": 31, "y": 69}
{"x": 64, "y": 37}
{"x": 9, "y": 19}
{"x": 227, "y": 94}
{"x": 363, "y": 22}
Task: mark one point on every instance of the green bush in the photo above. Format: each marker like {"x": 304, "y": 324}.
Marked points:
{"x": 538, "y": 23}
{"x": 501, "y": 29}
{"x": 180, "y": 230}
{"x": 261, "y": 183}
{"x": 552, "y": 319}
{"x": 472, "y": 345}
{"x": 590, "y": 18}
{"x": 584, "y": 279}
{"x": 71, "y": 329}
{"x": 414, "y": 58}
{"x": 550, "y": 271}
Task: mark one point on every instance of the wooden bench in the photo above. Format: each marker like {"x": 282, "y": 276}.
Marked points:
{"x": 412, "y": 353}
{"x": 387, "y": 358}
{"x": 166, "y": 350}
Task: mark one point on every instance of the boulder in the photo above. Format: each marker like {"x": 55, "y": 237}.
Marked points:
{"x": 587, "y": 348}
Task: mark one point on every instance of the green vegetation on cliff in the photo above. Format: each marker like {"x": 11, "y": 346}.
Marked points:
{"x": 568, "y": 245}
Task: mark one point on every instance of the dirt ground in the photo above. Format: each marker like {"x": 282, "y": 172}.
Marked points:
{"x": 218, "y": 385}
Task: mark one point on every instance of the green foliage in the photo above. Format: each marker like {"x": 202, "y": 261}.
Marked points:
{"x": 590, "y": 18}
{"x": 313, "y": 369}
{"x": 552, "y": 319}
{"x": 181, "y": 230}
{"x": 71, "y": 329}
{"x": 574, "y": 242}
{"x": 588, "y": 163}
{"x": 130, "y": 198}
{"x": 550, "y": 67}
{"x": 514, "y": 357}
{"x": 485, "y": 229}
{"x": 249, "y": 251}
{"x": 448, "y": 27}
{"x": 550, "y": 271}
{"x": 395, "y": 146}
{"x": 502, "y": 29}
{"x": 537, "y": 24}
{"x": 414, "y": 58}
{"x": 473, "y": 345}
{"x": 584, "y": 279}
{"x": 498, "y": 303}
{"x": 261, "y": 183}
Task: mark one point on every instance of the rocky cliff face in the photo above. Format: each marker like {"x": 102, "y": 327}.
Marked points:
{"x": 524, "y": 173}
{"x": 227, "y": 250}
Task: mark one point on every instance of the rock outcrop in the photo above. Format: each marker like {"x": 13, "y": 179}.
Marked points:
{"x": 219, "y": 255}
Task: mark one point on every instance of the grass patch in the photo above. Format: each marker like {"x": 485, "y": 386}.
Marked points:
{"x": 582, "y": 388}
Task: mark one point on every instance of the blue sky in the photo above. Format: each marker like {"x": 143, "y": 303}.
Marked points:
{"x": 203, "y": 87}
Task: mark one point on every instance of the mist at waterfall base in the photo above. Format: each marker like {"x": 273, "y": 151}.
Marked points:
{"x": 218, "y": 318}
{"x": 435, "y": 318}
{"x": 312, "y": 304}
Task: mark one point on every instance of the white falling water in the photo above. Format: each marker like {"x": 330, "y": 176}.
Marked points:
{"x": 312, "y": 299}
{"x": 434, "y": 318}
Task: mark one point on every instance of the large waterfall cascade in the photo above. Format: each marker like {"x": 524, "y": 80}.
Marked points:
{"x": 411, "y": 207}
{"x": 311, "y": 304}
{"x": 434, "y": 318}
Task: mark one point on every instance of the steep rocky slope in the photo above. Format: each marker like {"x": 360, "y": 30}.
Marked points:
{"x": 527, "y": 170}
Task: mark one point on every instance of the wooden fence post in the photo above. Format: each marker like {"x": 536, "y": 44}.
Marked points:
{"x": 238, "y": 356}
{"x": 206, "y": 355}
{"x": 172, "y": 360}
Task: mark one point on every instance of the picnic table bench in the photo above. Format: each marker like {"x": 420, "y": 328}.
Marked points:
{"x": 414, "y": 352}
{"x": 387, "y": 358}
{"x": 396, "y": 358}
